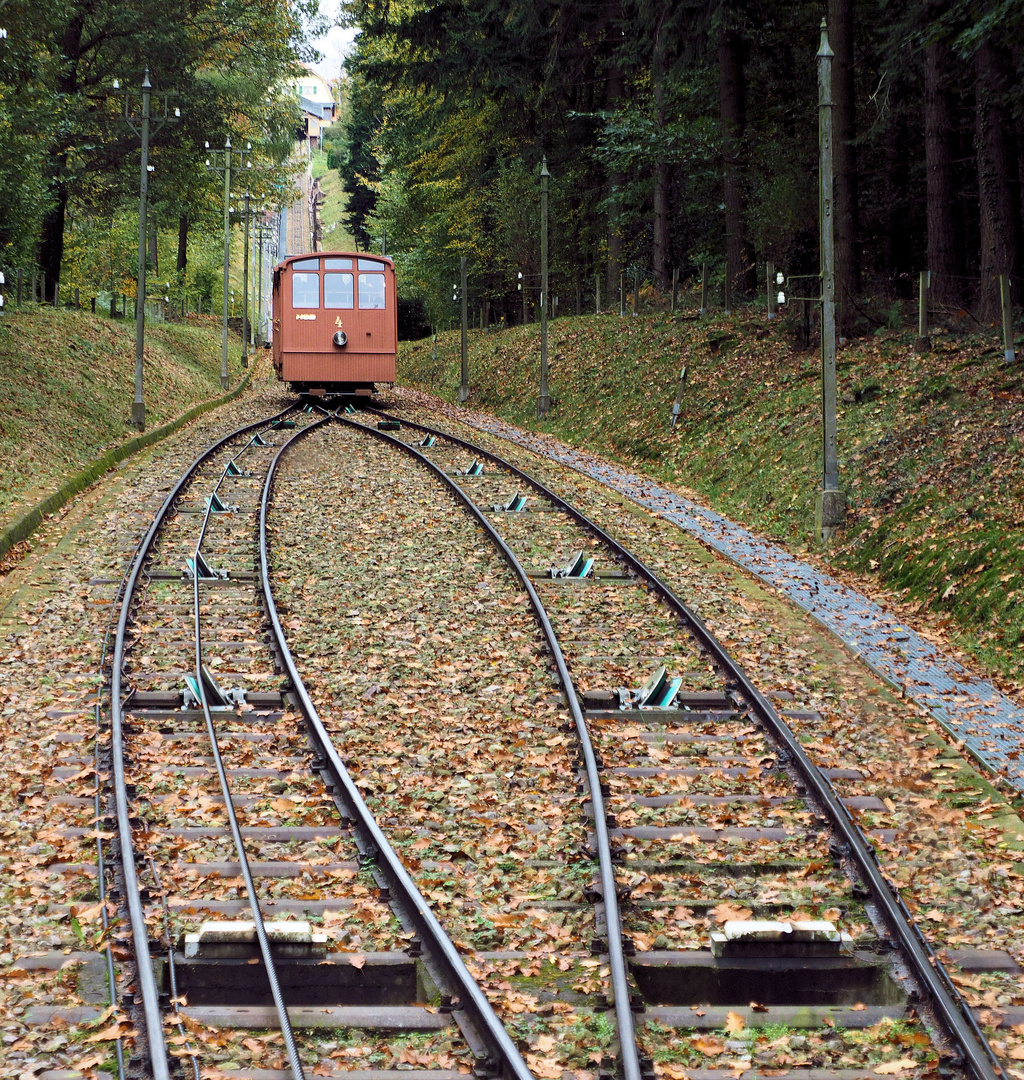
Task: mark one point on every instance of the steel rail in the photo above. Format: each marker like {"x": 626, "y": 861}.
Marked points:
{"x": 503, "y": 1052}
{"x": 136, "y": 916}
{"x": 621, "y": 998}
{"x": 171, "y": 969}
{"x": 957, "y": 1021}
{"x": 222, "y": 777}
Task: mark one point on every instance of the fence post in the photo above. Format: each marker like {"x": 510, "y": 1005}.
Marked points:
{"x": 636, "y": 291}
{"x": 923, "y": 343}
{"x": 703, "y": 288}
{"x": 728, "y": 291}
{"x": 770, "y": 284}
{"x": 597, "y": 294}
{"x": 1009, "y": 355}
{"x": 675, "y": 288}
{"x": 21, "y": 282}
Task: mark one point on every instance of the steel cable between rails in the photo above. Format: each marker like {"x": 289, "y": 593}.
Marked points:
{"x": 222, "y": 778}
{"x": 954, "y": 1015}
{"x": 136, "y": 916}
{"x": 472, "y": 997}
{"x": 621, "y": 997}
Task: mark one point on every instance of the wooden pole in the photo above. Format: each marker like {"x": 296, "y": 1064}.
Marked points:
{"x": 675, "y": 288}
{"x": 703, "y": 288}
{"x": 770, "y": 276}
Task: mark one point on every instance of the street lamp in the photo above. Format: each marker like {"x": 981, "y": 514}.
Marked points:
{"x": 143, "y": 131}
{"x": 224, "y": 165}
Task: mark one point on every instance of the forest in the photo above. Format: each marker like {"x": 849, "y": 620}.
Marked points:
{"x": 685, "y": 132}
{"x": 71, "y": 73}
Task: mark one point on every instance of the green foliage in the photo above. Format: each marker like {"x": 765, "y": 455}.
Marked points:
{"x": 66, "y": 152}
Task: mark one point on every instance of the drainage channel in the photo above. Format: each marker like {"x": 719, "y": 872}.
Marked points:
{"x": 714, "y": 808}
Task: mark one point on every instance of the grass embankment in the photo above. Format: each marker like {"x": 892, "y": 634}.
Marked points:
{"x": 67, "y": 382}
{"x": 336, "y": 235}
{"x": 930, "y": 445}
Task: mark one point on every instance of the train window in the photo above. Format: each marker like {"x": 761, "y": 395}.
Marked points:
{"x": 306, "y": 264}
{"x": 337, "y": 264}
{"x": 370, "y": 264}
{"x": 306, "y": 289}
{"x": 371, "y": 290}
{"x": 338, "y": 288}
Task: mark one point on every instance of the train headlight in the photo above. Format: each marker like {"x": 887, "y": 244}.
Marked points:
{"x": 341, "y": 338}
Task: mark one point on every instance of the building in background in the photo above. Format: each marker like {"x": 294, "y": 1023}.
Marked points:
{"x": 317, "y": 105}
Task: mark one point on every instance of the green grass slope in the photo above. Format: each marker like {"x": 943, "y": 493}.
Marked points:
{"x": 930, "y": 445}
{"x": 67, "y": 381}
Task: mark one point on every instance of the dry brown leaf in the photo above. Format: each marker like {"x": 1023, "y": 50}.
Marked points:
{"x": 892, "y": 1068}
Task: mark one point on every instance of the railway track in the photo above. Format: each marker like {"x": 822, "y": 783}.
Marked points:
{"x": 491, "y": 707}
{"x": 713, "y": 810}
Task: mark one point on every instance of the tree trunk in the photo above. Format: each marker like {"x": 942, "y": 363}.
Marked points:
{"x": 733, "y": 106}
{"x": 660, "y": 229}
{"x": 946, "y": 250}
{"x": 51, "y": 235}
{"x": 897, "y": 241}
{"x": 998, "y": 178}
{"x": 182, "y": 262}
{"x": 844, "y": 158}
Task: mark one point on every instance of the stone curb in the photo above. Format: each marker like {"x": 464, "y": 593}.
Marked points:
{"x": 22, "y": 527}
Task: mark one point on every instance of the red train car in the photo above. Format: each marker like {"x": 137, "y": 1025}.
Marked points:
{"x": 335, "y": 319}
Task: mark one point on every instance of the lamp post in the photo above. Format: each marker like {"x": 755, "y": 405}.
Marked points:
{"x": 544, "y": 401}
{"x": 227, "y": 157}
{"x": 143, "y": 131}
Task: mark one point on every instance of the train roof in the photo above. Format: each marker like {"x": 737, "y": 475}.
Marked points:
{"x": 336, "y": 255}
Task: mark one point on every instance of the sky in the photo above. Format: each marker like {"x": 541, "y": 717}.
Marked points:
{"x": 335, "y": 45}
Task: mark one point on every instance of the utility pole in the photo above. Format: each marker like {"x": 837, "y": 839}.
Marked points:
{"x": 831, "y": 503}
{"x": 143, "y": 131}
{"x": 544, "y": 401}
{"x": 225, "y": 166}
{"x": 245, "y": 289}
{"x": 464, "y": 311}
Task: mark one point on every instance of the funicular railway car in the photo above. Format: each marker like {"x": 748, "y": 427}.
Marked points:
{"x": 335, "y": 322}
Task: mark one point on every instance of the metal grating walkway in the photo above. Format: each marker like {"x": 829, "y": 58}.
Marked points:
{"x": 990, "y": 724}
